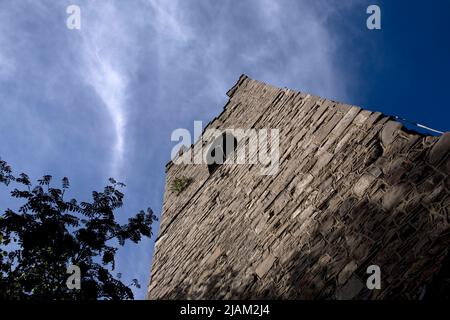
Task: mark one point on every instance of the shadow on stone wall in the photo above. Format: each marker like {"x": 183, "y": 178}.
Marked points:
{"x": 404, "y": 231}
{"x": 335, "y": 263}
{"x": 402, "y": 226}
{"x": 439, "y": 288}
{"x": 335, "y": 266}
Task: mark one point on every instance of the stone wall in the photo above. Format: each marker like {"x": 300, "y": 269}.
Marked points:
{"x": 354, "y": 188}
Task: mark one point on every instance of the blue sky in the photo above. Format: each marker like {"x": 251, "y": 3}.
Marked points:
{"x": 102, "y": 101}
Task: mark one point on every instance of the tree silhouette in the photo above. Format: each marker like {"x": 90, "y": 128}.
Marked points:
{"x": 47, "y": 234}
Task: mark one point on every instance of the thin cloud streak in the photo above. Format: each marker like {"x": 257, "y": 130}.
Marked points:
{"x": 110, "y": 85}
{"x": 104, "y": 40}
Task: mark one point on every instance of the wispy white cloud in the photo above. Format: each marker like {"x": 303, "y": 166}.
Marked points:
{"x": 7, "y": 64}
{"x": 287, "y": 43}
{"x": 106, "y": 65}
{"x": 167, "y": 20}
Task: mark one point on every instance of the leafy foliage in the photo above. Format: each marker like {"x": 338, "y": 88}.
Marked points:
{"x": 49, "y": 233}
{"x": 179, "y": 184}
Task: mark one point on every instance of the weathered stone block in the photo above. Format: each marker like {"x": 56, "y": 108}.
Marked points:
{"x": 441, "y": 149}
{"x": 389, "y": 131}
{"x": 347, "y": 272}
{"x": 350, "y": 289}
{"x": 265, "y": 266}
{"x": 395, "y": 195}
{"x": 363, "y": 184}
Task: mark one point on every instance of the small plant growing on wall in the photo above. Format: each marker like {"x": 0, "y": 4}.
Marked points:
{"x": 179, "y": 184}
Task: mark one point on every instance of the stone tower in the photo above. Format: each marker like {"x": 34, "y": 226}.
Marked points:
{"x": 353, "y": 189}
